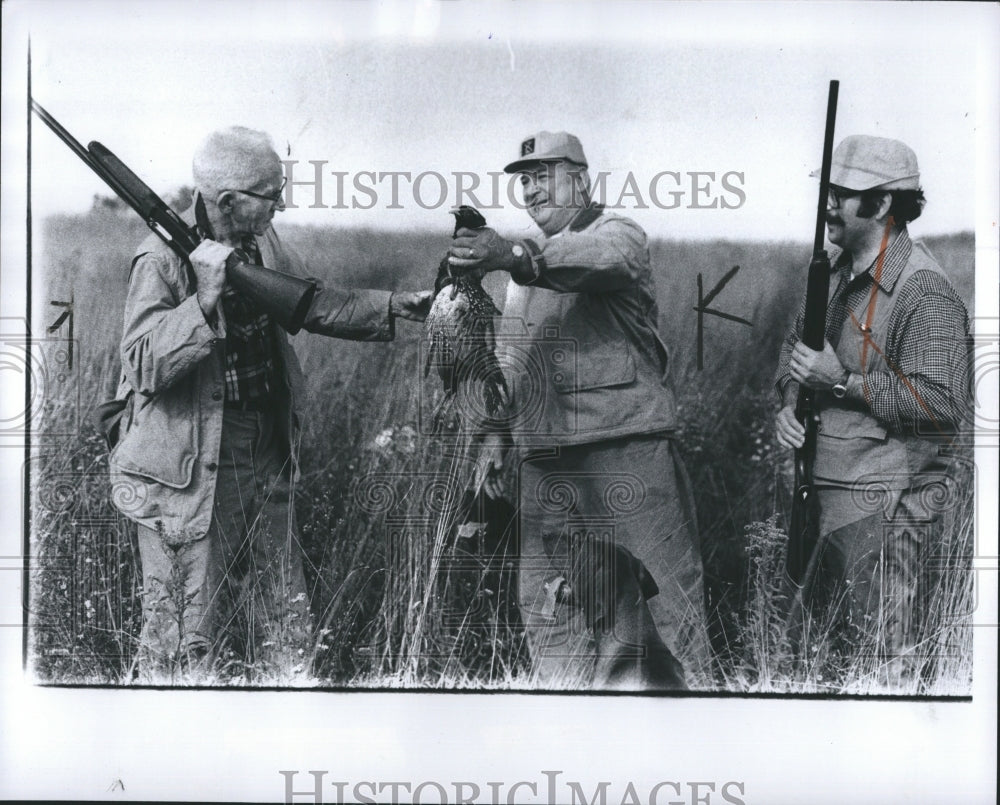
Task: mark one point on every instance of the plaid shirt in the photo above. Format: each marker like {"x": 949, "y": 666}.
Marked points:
{"x": 927, "y": 343}
{"x": 249, "y": 361}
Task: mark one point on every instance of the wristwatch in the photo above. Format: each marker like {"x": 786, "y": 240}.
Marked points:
{"x": 840, "y": 388}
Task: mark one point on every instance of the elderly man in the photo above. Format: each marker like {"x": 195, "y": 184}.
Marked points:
{"x": 606, "y": 516}
{"x": 893, "y": 386}
{"x": 208, "y": 457}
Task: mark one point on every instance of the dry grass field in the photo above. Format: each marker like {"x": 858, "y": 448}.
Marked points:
{"x": 449, "y": 621}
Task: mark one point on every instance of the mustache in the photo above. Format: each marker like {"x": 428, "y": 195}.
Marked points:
{"x": 833, "y": 218}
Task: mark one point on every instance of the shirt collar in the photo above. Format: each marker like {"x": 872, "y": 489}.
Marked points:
{"x": 204, "y": 226}
{"x": 202, "y": 223}
{"x": 896, "y": 256}
{"x": 585, "y": 217}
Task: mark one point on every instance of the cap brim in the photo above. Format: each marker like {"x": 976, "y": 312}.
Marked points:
{"x": 521, "y": 164}
{"x": 860, "y": 181}
{"x": 527, "y": 162}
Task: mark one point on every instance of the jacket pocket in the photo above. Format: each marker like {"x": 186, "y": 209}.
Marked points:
{"x": 843, "y": 423}
{"x": 598, "y": 350}
{"x": 161, "y": 443}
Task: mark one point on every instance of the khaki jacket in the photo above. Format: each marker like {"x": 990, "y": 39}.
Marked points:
{"x": 579, "y": 341}
{"x": 164, "y": 467}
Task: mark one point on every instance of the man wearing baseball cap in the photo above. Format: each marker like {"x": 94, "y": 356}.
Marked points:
{"x": 610, "y": 581}
{"x": 892, "y": 387}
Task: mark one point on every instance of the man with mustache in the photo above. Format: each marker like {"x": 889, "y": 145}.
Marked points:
{"x": 610, "y": 578}
{"x": 207, "y": 462}
{"x": 892, "y": 385}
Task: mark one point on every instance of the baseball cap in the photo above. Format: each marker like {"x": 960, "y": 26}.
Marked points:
{"x": 863, "y": 162}
{"x": 545, "y": 146}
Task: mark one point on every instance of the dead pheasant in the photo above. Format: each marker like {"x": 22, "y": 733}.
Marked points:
{"x": 462, "y": 338}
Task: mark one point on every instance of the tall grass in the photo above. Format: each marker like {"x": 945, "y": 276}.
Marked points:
{"x": 401, "y": 596}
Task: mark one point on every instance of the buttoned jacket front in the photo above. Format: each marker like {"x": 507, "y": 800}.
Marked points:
{"x": 163, "y": 470}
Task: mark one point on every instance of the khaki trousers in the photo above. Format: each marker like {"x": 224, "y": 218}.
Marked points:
{"x": 625, "y": 493}
{"x": 241, "y": 586}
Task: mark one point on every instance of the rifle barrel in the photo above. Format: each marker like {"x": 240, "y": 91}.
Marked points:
{"x": 824, "y": 174}
{"x": 89, "y": 159}
{"x": 285, "y": 297}
{"x": 803, "y": 527}
{"x": 63, "y": 135}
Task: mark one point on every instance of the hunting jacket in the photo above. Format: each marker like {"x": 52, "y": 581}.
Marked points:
{"x": 579, "y": 340}
{"x": 906, "y": 334}
{"x": 164, "y": 467}
{"x": 852, "y": 443}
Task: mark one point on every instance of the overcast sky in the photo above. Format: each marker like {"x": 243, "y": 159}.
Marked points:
{"x": 439, "y": 88}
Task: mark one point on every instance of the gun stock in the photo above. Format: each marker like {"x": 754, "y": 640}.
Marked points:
{"x": 803, "y": 529}
{"x": 284, "y": 297}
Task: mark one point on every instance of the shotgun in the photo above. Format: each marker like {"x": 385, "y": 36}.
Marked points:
{"x": 803, "y": 530}
{"x": 284, "y": 297}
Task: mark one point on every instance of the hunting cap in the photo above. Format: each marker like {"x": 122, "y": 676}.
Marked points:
{"x": 548, "y": 146}
{"x": 862, "y": 162}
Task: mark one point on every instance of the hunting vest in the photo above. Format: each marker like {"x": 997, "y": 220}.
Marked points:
{"x": 851, "y": 444}
{"x": 586, "y": 365}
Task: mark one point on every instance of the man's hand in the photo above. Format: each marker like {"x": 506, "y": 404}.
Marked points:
{"x": 817, "y": 370}
{"x": 209, "y": 263}
{"x": 489, "y": 466}
{"x": 483, "y": 249}
{"x": 788, "y": 429}
{"x": 412, "y": 305}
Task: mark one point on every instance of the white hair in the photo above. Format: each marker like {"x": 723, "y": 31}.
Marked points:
{"x": 231, "y": 159}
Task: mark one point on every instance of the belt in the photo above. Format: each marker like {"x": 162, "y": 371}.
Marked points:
{"x": 261, "y": 405}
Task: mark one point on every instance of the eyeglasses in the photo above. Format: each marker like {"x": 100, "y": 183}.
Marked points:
{"x": 835, "y": 196}
{"x": 274, "y": 198}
